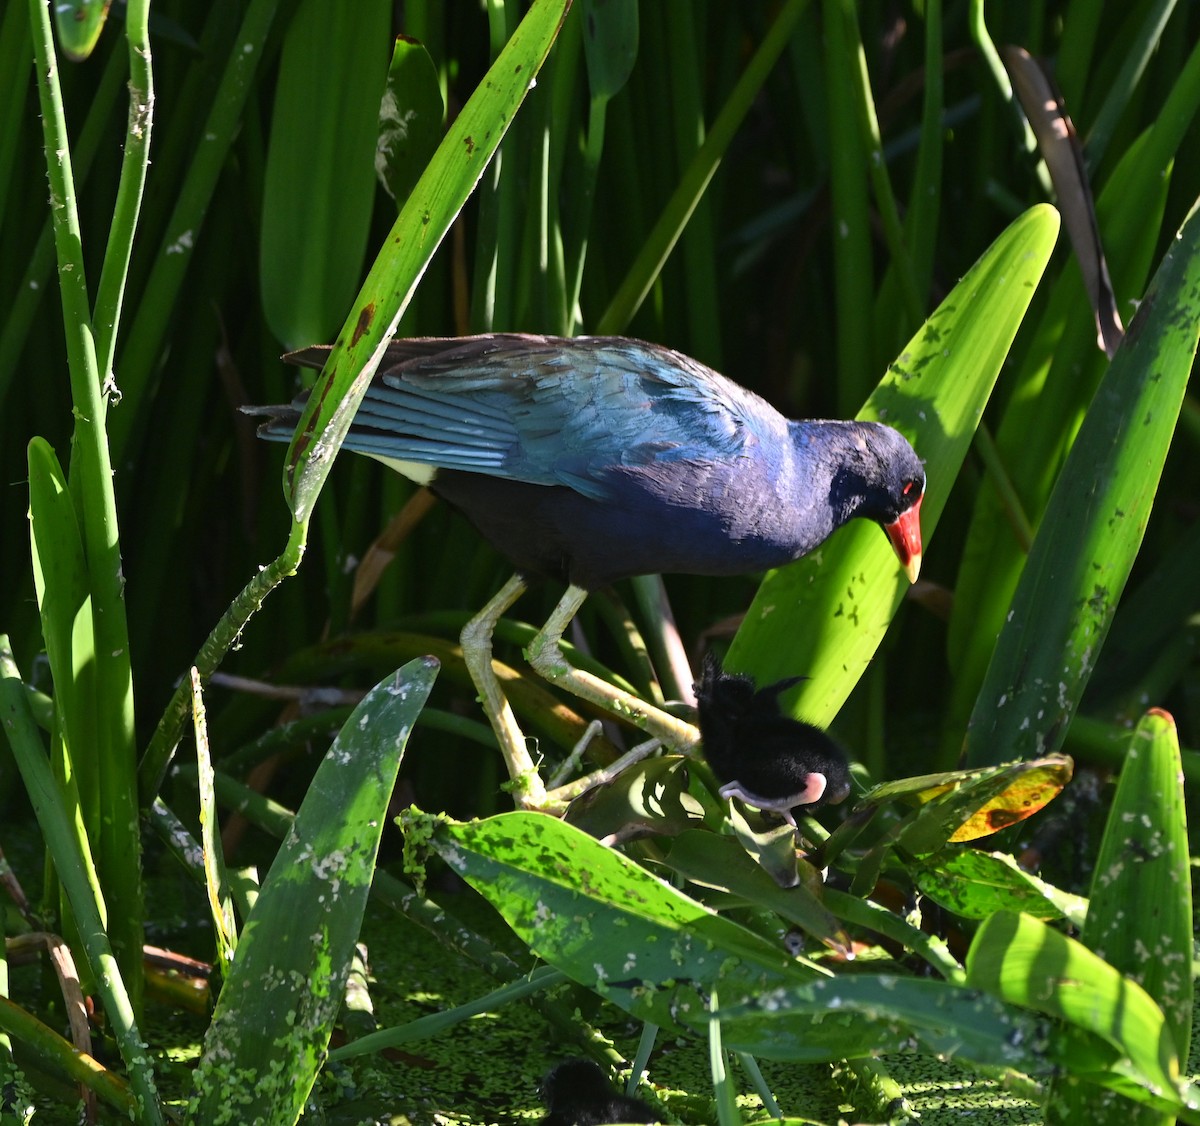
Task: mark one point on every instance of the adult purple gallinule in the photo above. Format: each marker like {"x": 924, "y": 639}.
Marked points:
{"x": 761, "y": 755}
{"x": 592, "y": 459}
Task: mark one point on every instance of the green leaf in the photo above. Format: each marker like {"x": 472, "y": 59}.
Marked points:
{"x": 1093, "y": 526}
{"x": 1140, "y": 919}
{"x": 276, "y": 1010}
{"x": 856, "y": 1016}
{"x": 977, "y": 884}
{"x": 607, "y": 923}
{"x": 64, "y": 595}
{"x": 79, "y": 24}
{"x": 847, "y": 591}
{"x": 320, "y": 175}
{"x": 410, "y": 118}
{"x": 610, "y": 44}
{"x": 720, "y": 862}
{"x": 1024, "y": 962}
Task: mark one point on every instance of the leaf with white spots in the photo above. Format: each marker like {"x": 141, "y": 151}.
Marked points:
{"x": 1140, "y": 917}
{"x": 1093, "y": 525}
{"x": 276, "y": 1010}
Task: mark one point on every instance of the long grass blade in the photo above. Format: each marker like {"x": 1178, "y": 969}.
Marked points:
{"x": 661, "y": 241}
{"x": 118, "y": 849}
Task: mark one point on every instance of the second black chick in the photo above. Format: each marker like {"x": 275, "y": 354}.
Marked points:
{"x": 577, "y": 1093}
{"x": 759, "y": 754}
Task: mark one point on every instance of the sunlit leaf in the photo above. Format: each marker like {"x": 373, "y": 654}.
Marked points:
{"x": 967, "y": 804}
{"x": 79, "y": 24}
{"x": 609, "y": 924}
{"x": 846, "y": 592}
{"x": 1140, "y": 918}
{"x": 1027, "y": 963}
{"x": 1029, "y": 791}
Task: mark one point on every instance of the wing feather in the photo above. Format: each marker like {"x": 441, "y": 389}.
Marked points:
{"x": 552, "y": 411}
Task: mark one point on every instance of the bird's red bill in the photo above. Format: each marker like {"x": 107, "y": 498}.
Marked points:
{"x": 905, "y": 535}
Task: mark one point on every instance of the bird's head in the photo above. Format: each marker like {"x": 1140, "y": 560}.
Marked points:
{"x": 892, "y": 483}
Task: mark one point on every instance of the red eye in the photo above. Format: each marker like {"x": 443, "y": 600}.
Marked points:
{"x": 908, "y": 488}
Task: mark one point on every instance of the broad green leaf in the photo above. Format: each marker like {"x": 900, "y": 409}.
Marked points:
{"x": 432, "y": 206}
{"x": 720, "y": 862}
{"x": 1140, "y": 919}
{"x": 276, "y": 1010}
{"x": 1094, "y": 523}
{"x": 608, "y": 923}
{"x": 410, "y": 118}
{"x": 1025, "y": 962}
{"x": 824, "y": 616}
{"x": 977, "y": 884}
{"x": 856, "y": 1016}
{"x": 320, "y": 175}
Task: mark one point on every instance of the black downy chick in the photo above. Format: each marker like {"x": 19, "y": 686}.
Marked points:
{"x": 577, "y": 1093}
{"x": 767, "y": 759}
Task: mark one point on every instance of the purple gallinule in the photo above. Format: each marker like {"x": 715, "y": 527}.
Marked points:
{"x": 761, "y": 755}
{"x": 576, "y": 1093}
{"x": 592, "y": 459}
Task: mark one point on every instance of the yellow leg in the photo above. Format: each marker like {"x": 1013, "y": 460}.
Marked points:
{"x": 546, "y": 656}
{"x": 476, "y": 638}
